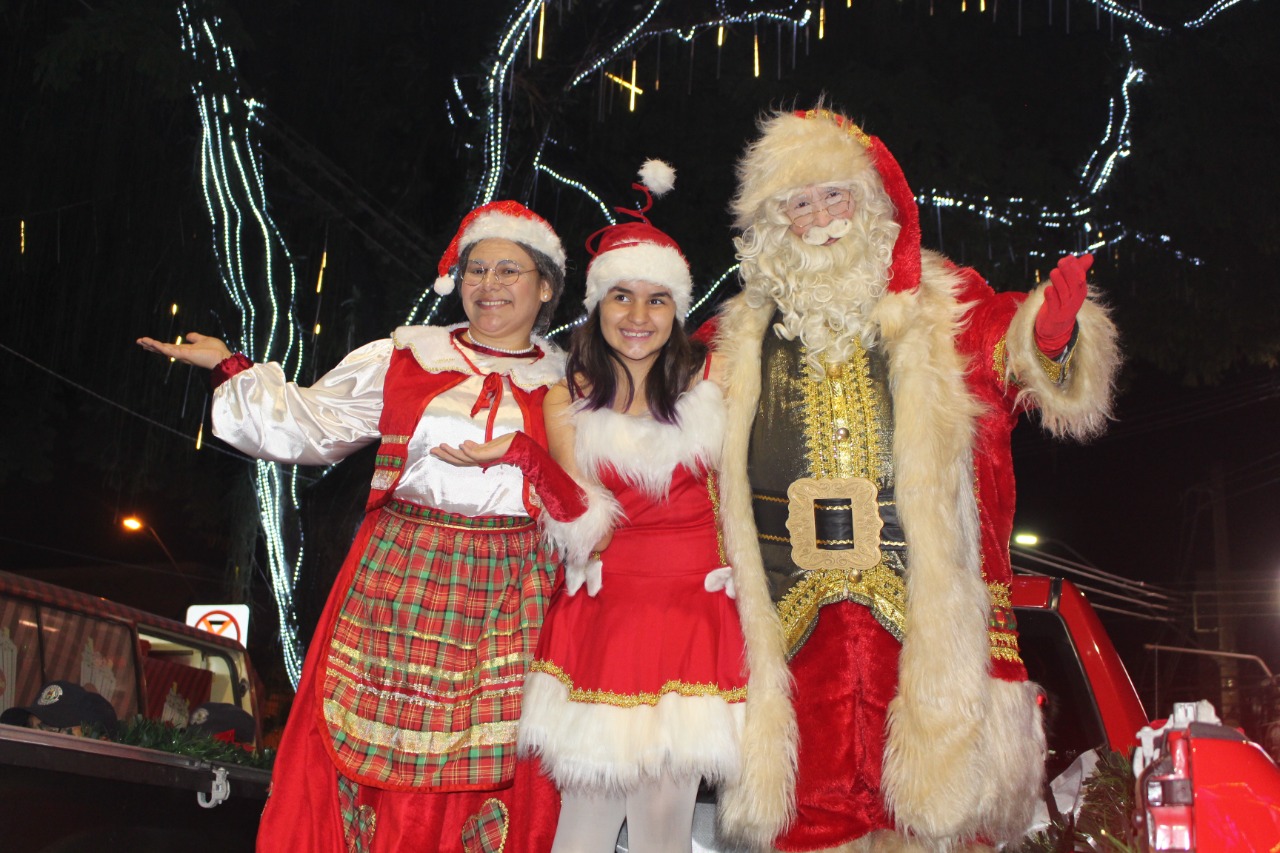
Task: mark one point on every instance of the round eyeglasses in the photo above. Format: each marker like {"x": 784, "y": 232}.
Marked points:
{"x": 804, "y": 206}
{"x": 505, "y": 273}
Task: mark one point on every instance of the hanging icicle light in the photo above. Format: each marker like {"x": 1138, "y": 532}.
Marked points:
{"x": 757, "y": 55}
{"x": 542, "y": 26}
{"x": 822, "y": 19}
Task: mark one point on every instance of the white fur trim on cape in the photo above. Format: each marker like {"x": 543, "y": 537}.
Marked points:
{"x": 518, "y": 229}
{"x": 756, "y": 807}
{"x": 575, "y": 540}
{"x": 1080, "y": 407}
{"x": 644, "y": 451}
{"x": 933, "y": 766}
{"x": 593, "y": 747}
{"x": 643, "y": 262}
{"x": 435, "y": 353}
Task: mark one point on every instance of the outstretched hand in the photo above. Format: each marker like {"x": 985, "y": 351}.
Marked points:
{"x": 472, "y": 454}
{"x": 1062, "y": 300}
{"x": 199, "y": 350}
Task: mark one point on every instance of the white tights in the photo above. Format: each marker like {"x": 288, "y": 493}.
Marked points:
{"x": 659, "y": 819}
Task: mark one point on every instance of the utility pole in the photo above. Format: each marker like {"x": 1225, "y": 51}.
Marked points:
{"x": 1228, "y": 666}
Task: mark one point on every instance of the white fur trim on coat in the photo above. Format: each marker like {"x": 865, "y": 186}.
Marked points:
{"x": 1080, "y": 407}
{"x": 755, "y": 808}
{"x": 595, "y": 747}
{"x": 643, "y": 262}
{"x": 932, "y": 767}
{"x": 575, "y": 540}
{"x": 645, "y": 452}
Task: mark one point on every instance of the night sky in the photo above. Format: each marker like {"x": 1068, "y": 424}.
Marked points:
{"x": 103, "y": 227}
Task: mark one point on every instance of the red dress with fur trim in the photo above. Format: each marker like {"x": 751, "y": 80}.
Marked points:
{"x": 646, "y": 677}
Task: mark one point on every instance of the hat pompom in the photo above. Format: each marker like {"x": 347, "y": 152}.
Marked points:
{"x": 443, "y": 285}
{"x": 658, "y": 176}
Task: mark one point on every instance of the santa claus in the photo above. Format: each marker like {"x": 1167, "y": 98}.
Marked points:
{"x": 873, "y": 388}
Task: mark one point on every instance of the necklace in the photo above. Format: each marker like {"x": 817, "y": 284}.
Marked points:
{"x": 464, "y": 337}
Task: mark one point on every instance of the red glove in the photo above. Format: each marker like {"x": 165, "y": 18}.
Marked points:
{"x": 562, "y": 498}
{"x": 1062, "y": 300}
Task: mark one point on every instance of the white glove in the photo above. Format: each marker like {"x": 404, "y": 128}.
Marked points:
{"x": 718, "y": 579}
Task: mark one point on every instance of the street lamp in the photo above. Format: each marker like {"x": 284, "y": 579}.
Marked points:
{"x": 133, "y": 524}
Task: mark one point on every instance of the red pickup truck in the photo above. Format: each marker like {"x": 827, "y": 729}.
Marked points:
{"x": 1200, "y": 786}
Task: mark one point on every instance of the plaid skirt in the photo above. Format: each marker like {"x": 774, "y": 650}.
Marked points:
{"x": 422, "y": 683}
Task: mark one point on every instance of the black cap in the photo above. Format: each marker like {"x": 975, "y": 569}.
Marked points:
{"x": 63, "y": 704}
{"x": 214, "y": 718}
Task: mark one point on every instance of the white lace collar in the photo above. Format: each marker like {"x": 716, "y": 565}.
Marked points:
{"x": 435, "y": 352}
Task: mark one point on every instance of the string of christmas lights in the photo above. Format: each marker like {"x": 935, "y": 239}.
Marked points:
{"x": 254, "y": 263}
{"x": 1080, "y": 222}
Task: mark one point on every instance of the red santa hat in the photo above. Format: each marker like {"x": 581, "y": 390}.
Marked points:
{"x": 637, "y": 250}
{"x": 506, "y": 220}
{"x": 818, "y": 146}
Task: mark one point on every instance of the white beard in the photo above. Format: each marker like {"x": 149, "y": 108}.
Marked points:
{"x": 825, "y": 293}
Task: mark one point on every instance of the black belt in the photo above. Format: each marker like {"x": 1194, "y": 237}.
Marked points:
{"x": 833, "y": 521}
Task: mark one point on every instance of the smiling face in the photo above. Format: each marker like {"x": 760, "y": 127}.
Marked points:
{"x": 636, "y": 318}
{"x": 502, "y": 315}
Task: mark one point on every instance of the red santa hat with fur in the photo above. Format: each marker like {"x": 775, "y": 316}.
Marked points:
{"x": 818, "y": 146}
{"x": 637, "y": 250}
{"x": 506, "y": 220}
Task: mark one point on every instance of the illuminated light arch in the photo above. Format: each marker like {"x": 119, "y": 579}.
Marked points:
{"x": 253, "y": 263}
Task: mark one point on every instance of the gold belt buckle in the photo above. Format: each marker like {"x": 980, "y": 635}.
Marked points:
{"x": 855, "y": 496}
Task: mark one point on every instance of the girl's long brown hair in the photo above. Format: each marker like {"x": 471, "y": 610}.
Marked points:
{"x": 593, "y": 370}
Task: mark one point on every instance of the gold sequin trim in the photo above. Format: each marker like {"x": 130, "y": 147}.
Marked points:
{"x": 371, "y": 626}
{"x": 878, "y": 588}
{"x": 843, "y": 123}
{"x": 713, "y": 493}
{"x": 415, "y": 742}
{"x": 633, "y": 700}
{"x": 840, "y": 415}
{"x": 421, "y": 701}
{"x": 384, "y": 478}
{"x": 1055, "y": 369}
{"x": 342, "y": 650}
{"x": 998, "y": 359}
{"x": 769, "y": 537}
{"x": 1001, "y": 596}
{"x": 771, "y": 498}
{"x": 396, "y": 439}
{"x": 1004, "y": 647}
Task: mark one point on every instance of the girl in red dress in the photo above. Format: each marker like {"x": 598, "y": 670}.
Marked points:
{"x": 642, "y": 686}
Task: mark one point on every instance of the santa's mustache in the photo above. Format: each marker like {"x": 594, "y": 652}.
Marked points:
{"x": 817, "y": 235}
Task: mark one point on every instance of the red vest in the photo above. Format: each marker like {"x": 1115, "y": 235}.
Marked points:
{"x": 406, "y": 392}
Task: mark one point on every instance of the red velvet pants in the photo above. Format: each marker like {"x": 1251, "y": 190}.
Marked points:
{"x": 845, "y": 675}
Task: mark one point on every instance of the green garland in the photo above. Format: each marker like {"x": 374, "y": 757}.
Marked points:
{"x": 1105, "y": 822}
{"x": 154, "y": 734}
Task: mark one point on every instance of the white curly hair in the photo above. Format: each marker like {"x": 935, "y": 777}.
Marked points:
{"x": 825, "y": 293}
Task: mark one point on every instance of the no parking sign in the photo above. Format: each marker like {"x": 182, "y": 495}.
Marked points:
{"x": 225, "y": 620}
